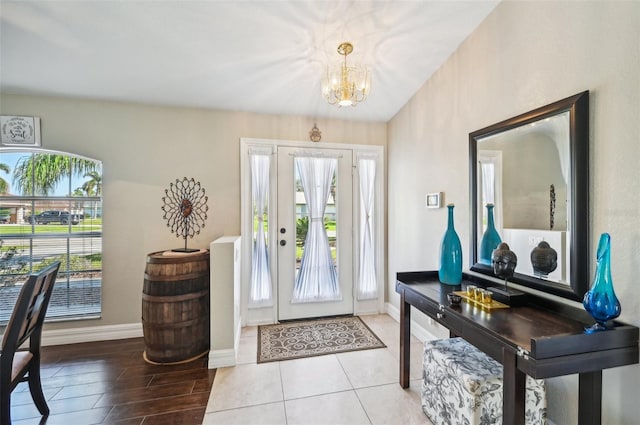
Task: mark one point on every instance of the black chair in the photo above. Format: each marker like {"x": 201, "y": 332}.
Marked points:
{"x": 26, "y": 324}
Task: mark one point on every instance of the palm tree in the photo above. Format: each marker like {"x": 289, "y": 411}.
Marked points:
{"x": 4, "y": 185}
{"x": 39, "y": 174}
{"x": 93, "y": 187}
{"x": 78, "y": 192}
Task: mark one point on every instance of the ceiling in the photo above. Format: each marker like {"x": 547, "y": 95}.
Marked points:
{"x": 257, "y": 56}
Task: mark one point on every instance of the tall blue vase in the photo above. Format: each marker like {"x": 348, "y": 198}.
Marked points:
{"x": 450, "y": 271}
{"x": 601, "y": 301}
{"x": 490, "y": 239}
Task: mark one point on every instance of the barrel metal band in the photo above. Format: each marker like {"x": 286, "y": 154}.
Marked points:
{"x": 175, "y": 298}
{"x": 176, "y": 325}
{"x": 174, "y": 277}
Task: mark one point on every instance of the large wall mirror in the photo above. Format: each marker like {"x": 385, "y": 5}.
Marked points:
{"x": 533, "y": 169}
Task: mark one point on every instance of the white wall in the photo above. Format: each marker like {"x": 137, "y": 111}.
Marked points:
{"x": 525, "y": 55}
{"x": 143, "y": 149}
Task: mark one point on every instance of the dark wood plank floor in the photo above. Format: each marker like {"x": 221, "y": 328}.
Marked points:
{"x": 108, "y": 382}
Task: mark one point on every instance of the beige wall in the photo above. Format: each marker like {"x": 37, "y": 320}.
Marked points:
{"x": 525, "y": 55}
{"x": 143, "y": 149}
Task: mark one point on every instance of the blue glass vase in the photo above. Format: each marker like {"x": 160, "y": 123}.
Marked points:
{"x": 601, "y": 301}
{"x": 490, "y": 239}
{"x": 450, "y": 271}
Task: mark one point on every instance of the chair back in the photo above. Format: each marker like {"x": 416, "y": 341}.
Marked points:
{"x": 30, "y": 309}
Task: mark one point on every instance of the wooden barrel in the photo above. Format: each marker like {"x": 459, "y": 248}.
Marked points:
{"x": 175, "y": 306}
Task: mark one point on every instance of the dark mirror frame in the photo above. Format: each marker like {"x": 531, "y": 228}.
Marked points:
{"x": 578, "y": 107}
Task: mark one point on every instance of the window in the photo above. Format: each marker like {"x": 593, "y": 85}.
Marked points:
{"x": 50, "y": 210}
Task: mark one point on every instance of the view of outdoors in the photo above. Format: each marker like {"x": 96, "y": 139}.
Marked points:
{"x": 302, "y": 219}
{"x": 51, "y": 210}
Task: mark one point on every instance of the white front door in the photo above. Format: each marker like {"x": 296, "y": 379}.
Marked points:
{"x": 315, "y": 272}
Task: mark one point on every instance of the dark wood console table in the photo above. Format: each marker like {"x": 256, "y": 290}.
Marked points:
{"x": 542, "y": 339}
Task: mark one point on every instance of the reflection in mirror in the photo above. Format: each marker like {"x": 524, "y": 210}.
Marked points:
{"x": 533, "y": 169}
{"x": 530, "y": 206}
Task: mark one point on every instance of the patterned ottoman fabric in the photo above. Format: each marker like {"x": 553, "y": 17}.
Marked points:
{"x": 462, "y": 385}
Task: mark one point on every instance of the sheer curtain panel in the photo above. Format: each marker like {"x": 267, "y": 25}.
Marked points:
{"x": 261, "y": 294}
{"x": 367, "y": 284}
{"x": 317, "y": 278}
{"x": 488, "y": 183}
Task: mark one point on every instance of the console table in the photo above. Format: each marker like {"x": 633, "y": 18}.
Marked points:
{"x": 542, "y": 339}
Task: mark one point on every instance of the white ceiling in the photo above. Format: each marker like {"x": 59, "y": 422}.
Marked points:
{"x": 258, "y": 56}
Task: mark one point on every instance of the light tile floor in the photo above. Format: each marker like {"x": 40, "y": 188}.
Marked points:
{"x": 358, "y": 387}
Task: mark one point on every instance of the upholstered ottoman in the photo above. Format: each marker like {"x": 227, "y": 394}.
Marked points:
{"x": 462, "y": 385}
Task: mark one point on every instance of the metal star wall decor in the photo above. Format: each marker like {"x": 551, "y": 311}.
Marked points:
{"x": 185, "y": 209}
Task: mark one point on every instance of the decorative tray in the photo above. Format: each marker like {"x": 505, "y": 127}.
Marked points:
{"x": 489, "y": 306}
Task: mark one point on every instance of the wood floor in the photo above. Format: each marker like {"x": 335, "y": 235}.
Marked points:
{"x": 109, "y": 383}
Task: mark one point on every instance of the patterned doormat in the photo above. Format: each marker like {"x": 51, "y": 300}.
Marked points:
{"x": 294, "y": 340}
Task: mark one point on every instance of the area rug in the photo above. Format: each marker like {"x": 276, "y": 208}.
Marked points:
{"x": 295, "y": 340}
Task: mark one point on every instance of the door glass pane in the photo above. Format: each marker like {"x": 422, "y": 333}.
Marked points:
{"x": 331, "y": 218}
{"x": 316, "y": 250}
{"x": 260, "y": 293}
{"x": 302, "y": 218}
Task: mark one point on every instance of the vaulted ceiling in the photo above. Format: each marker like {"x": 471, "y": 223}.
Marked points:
{"x": 258, "y": 56}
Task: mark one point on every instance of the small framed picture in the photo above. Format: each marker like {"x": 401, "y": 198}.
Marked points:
{"x": 434, "y": 200}
{"x": 19, "y": 131}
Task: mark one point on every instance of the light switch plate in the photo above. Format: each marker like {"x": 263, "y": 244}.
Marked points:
{"x": 434, "y": 200}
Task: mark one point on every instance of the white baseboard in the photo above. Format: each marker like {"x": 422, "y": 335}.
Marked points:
{"x": 222, "y": 358}
{"x": 91, "y": 334}
{"x": 260, "y": 322}
{"x": 418, "y": 331}
{"x": 236, "y": 340}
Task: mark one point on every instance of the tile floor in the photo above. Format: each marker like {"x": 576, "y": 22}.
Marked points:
{"x": 359, "y": 387}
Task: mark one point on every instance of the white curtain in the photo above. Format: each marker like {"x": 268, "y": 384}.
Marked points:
{"x": 367, "y": 285}
{"x": 490, "y": 192}
{"x": 261, "y": 291}
{"x": 488, "y": 183}
{"x": 317, "y": 278}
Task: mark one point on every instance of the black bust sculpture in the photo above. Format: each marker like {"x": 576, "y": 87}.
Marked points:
{"x": 544, "y": 259}
{"x": 504, "y": 262}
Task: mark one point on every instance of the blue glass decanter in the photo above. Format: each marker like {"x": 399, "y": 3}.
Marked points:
{"x": 601, "y": 301}
{"x": 450, "y": 271}
{"x": 490, "y": 239}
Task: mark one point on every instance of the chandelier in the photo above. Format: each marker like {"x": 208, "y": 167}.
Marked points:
{"x": 346, "y": 85}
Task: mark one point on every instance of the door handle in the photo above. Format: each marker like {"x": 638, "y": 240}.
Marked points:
{"x": 283, "y": 242}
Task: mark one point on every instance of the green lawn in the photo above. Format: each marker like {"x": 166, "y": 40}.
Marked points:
{"x": 22, "y": 229}
{"x": 328, "y": 224}
{"x": 78, "y": 262}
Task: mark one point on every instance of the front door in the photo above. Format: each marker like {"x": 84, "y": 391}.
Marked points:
{"x": 315, "y": 276}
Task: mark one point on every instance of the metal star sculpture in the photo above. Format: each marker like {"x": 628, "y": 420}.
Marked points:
{"x": 185, "y": 209}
